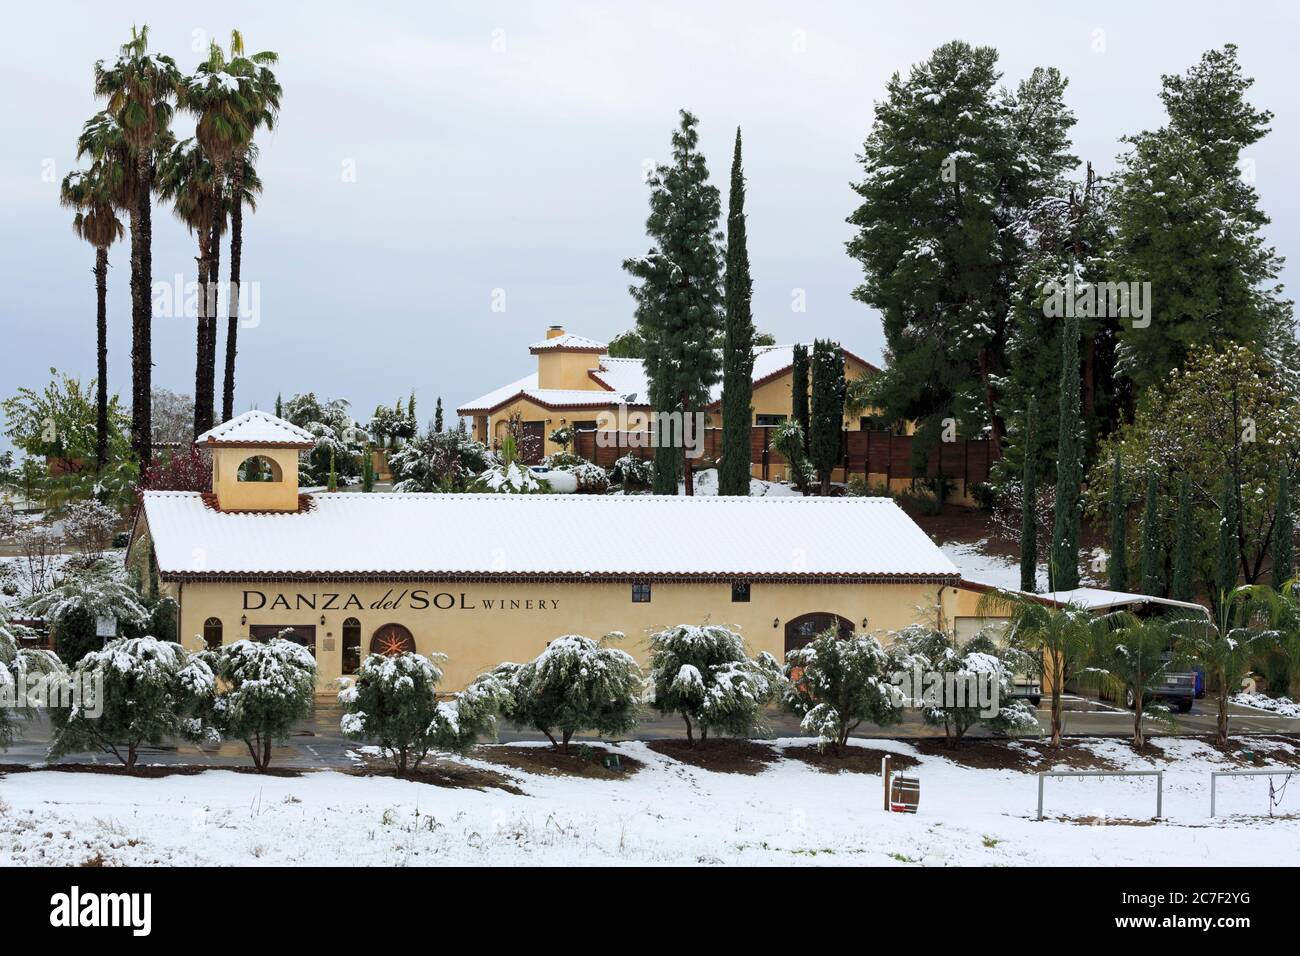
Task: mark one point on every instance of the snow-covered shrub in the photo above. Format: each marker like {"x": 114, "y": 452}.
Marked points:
{"x": 563, "y": 436}
{"x": 575, "y": 684}
{"x": 79, "y": 600}
{"x": 442, "y": 461}
{"x": 703, "y": 673}
{"x": 632, "y": 472}
{"x": 16, "y": 663}
{"x": 89, "y": 525}
{"x": 836, "y": 683}
{"x": 592, "y": 479}
{"x": 393, "y": 701}
{"x": 563, "y": 459}
{"x": 788, "y": 440}
{"x": 265, "y": 688}
{"x": 960, "y": 675}
{"x": 511, "y": 479}
{"x": 148, "y": 690}
{"x": 340, "y": 440}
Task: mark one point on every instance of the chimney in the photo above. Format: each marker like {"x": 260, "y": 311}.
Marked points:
{"x": 555, "y": 331}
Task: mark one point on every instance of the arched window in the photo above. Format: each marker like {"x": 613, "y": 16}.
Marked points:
{"x": 392, "y": 639}
{"x": 212, "y": 633}
{"x": 259, "y": 468}
{"x": 351, "y": 645}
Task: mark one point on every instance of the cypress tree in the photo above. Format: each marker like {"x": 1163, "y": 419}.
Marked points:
{"x": 367, "y": 471}
{"x": 679, "y": 299}
{"x": 1225, "y": 571}
{"x": 737, "y": 344}
{"x": 1182, "y": 580}
{"x": 1118, "y": 579}
{"x": 1029, "y": 494}
{"x": 437, "y": 416}
{"x": 1151, "y": 556}
{"x": 799, "y": 390}
{"x": 279, "y": 406}
{"x": 827, "y": 415}
{"x": 1283, "y": 533}
{"x": 1064, "y": 568}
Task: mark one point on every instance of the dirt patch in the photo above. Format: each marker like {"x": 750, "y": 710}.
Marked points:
{"x": 1103, "y": 821}
{"x": 582, "y": 760}
{"x": 444, "y": 773}
{"x": 723, "y": 755}
{"x": 147, "y": 772}
{"x": 1024, "y": 756}
{"x": 853, "y": 759}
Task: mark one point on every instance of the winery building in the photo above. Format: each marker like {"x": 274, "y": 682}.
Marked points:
{"x": 491, "y": 578}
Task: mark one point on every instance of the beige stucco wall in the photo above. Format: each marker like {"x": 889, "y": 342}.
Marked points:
{"x": 467, "y": 622}
{"x": 236, "y": 495}
{"x": 562, "y": 369}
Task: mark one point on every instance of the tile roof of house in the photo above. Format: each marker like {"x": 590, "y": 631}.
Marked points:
{"x": 562, "y": 536}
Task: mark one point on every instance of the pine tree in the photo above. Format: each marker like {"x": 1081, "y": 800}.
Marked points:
{"x": 738, "y": 344}
{"x": 826, "y": 417}
{"x": 1226, "y": 563}
{"x": 1118, "y": 580}
{"x": 799, "y": 390}
{"x": 437, "y": 416}
{"x": 1152, "y": 558}
{"x": 1183, "y": 545}
{"x": 1028, "y": 498}
{"x": 679, "y": 299}
{"x": 1064, "y": 569}
{"x": 1283, "y": 533}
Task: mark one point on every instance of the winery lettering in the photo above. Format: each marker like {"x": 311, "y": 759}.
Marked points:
{"x": 415, "y": 599}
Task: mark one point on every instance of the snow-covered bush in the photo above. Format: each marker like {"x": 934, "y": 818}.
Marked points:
{"x": 265, "y": 688}
{"x": 703, "y": 673}
{"x": 563, "y": 436}
{"x": 576, "y": 684}
{"x": 79, "y": 600}
{"x": 511, "y": 479}
{"x": 340, "y": 440}
{"x": 632, "y": 472}
{"x": 836, "y": 683}
{"x": 16, "y": 663}
{"x": 592, "y": 479}
{"x": 951, "y": 697}
{"x": 442, "y": 461}
{"x": 393, "y": 701}
{"x": 148, "y": 690}
{"x": 89, "y": 525}
{"x": 788, "y": 440}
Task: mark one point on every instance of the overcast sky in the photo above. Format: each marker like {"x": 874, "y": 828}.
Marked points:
{"x": 502, "y": 146}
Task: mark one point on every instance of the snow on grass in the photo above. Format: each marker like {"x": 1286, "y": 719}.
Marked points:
{"x": 667, "y": 813}
{"x": 706, "y": 483}
{"x": 1283, "y": 706}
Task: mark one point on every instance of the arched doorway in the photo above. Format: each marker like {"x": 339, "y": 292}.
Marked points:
{"x": 392, "y": 639}
{"x": 802, "y": 629}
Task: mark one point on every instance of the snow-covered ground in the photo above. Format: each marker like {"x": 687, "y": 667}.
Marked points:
{"x": 1282, "y": 706}
{"x": 669, "y": 812}
{"x": 706, "y": 483}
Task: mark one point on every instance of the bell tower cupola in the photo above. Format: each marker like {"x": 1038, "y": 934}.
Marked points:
{"x": 255, "y": 462}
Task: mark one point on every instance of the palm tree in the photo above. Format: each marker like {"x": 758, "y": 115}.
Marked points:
{"x": 220, "y": 95}
{"x": 1280, "y": 656}
{"x": 265, "y": 107}
{"x": 1226, "y": 652}
{"x": 1130, "y": 658}
{"x": 185, "y": 180}
{"x": 140, "y": 87}
{"x": 90, "y": 193}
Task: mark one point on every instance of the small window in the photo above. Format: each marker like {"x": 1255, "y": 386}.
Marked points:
{"x": 258, "y": 468}
{"x": 212, "y": 633}
{"x": 768, "y": 421}
{"x": 641, "y": 592}
{"x": 351, "y": 645}
{"x": 739, "y": 592}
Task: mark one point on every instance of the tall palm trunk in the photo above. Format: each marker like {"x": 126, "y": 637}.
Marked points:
{"x": 142, "y": 313}
{"x": 236, "y": 251}
{"x": 101, "y": 355}
{"x": 202, "y": 367}
{"x": 214, "y": 290}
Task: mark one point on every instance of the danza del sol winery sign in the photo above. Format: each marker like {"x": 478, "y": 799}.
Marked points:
{"x": 414, "y": 599}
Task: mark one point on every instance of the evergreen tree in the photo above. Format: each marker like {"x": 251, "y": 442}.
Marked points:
{"x": 799, "y": 391}
{"x": 367, "y": 471}
{"x": 1118, "y": 580}
{"x": 951, "y": 164}
{"x": 437, "y": 416}
{"x": 1226, "y": 562}
{"x": 1189, "y": 222}
{"x": 1152, "y": 558}
{"x": 826, "y": 418}
{"x": 738, "y": 344}
{"x": 1181, "y": 589}
{"x": 1283, "y": 533}
{"x": 679, "y": 298}
{"x": 279, "y": 405}
{"x": 1064, "y": 568}
{"x": 1028, "y": 495}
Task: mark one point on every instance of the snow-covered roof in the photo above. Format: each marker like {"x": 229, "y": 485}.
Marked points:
{"x": 257, "y": 428}
{"x": 586, "y": 536}
{"x": 573, "y": 343}
{"x": 1099, "y": 599}
{"x": 526, "y": 387}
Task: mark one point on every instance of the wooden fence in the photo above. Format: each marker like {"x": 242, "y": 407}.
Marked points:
{"x": 864, "y": 452}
